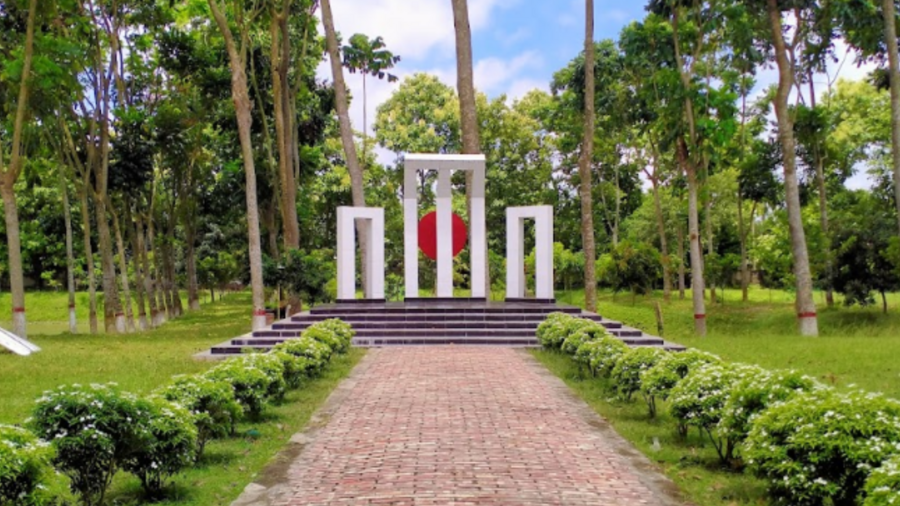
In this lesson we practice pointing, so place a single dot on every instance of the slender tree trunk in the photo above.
(123, 271)
(137, 263)
(241, 98)
(147, 272)
(663, 243)
(584, 164)
(70, 253)
(697, 288)
(280, 89)
(8, 176)
(113, 316)
(742, 235)
(191, 267)
(819, 156)
(890, 35)
(681, 273)
(162, 311)
(806, 306)
(710, 250)
(89, 258)
(465, 86)
(342, 104)
(14, 247)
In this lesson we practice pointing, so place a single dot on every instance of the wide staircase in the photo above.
(434, 321)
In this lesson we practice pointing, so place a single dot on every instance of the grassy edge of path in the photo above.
(690, 462)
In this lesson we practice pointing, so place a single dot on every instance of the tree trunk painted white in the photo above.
(123, 272)
(70, 254)
(806, 306)
(14, 248)
(696, 250)
(89, 258)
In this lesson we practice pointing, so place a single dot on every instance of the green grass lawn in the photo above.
(857, 346)
(48, 312)
(141, 363)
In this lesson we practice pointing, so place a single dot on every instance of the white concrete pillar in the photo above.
(515, 251)
(478, 244)
(373, 228)
(411, 233)
(444, 235)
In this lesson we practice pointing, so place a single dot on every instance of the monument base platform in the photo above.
(434, 321)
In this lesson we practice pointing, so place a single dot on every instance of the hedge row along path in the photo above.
(458, 425)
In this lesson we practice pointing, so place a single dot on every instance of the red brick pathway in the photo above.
(463, 425)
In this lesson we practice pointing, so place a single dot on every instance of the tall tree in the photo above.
(890, 36)
(805, 305)
(369, 58)
(468, 115)
(584, 164)
(9, 173)
(237, 57)
(342, 104)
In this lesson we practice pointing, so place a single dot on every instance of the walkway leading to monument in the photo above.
(458, 425)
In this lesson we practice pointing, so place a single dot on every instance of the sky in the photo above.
(517, 45)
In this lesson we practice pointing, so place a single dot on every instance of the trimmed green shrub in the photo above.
(24, 467)
(296, 369)
(658, 381)
(553, 330)
(822, 445)
(627, 372)
(698, 399)
(883, 486)
(94, 430)
(581, 330)
(169, 446)
(343, 330)
(250, 384)
(752, 392)
(307, 347)
(212, 405)
(323, 335)
(274, 370)
(603, 354)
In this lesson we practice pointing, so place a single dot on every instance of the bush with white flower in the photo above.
(273, 368)
(307, 347)
(250, 384)
(296, 369)
(752, 393)
(212, 405)
(553, 330)
(24, 467)
(698, 399)
(581, 330)
(325, 336)
(822, 445)
(658, 381)
(94, 430)
(169, 446)
(627, 372)
(342, 330)
(883, 486)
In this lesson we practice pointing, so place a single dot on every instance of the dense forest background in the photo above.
(145, 145)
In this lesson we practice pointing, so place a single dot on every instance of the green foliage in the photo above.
(342, 331)
(883, 486)
(659, 380)
(698, 400)
(628, 369)
(604, 354)
(316, 352)
(272, 367)
(94, 431)
(633, 267)
(169, 446)
(752, 392)
(24, 467)
(296, 369)
(822, 445)
(552, 331)
(212, 406)
(250, 385)
(307, 274)
(580, 331)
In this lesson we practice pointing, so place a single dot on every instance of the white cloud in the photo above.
(493, 73)
(520, 87)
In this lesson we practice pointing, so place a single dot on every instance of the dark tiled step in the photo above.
(353, 318)
(441, 308)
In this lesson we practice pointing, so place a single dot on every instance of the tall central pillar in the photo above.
(444, 235)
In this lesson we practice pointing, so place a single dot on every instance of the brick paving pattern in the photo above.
(463, 425)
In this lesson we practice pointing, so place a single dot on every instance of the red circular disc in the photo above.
(428, 234)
